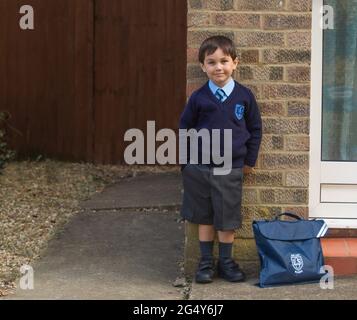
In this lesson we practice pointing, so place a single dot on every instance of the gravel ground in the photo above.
(38, 198)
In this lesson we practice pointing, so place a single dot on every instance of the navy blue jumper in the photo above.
(238, 112)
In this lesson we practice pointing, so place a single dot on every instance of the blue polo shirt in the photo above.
(228, 88)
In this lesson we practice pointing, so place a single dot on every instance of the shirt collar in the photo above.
(228, 88)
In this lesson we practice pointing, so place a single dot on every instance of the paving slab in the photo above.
(111, 255)
(344, 288)
(150, 190)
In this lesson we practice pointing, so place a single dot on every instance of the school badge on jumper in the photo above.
(239, 111)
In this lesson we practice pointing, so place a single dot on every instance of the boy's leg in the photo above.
(206, 232)
(226, 239)
(205, 269)
(206, 235)
(197, 208)
(226, 193)
(226, 236)
(227, 268)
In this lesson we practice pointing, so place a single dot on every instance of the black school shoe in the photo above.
(205, 270)
(229, 270)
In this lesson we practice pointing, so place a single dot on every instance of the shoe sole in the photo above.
(241, 279)
(203, 281)
(234, 280)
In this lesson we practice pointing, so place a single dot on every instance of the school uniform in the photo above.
(216, 199)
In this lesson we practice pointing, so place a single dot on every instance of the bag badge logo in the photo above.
(297, 262)
(239, 111)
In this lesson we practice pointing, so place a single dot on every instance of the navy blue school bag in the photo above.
(289, 251)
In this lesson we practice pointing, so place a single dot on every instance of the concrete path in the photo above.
(120, 251)
(159, 190)
(123, 254)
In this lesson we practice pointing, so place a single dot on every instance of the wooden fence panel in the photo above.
(45, 77)
(140, 69)
(89, 71)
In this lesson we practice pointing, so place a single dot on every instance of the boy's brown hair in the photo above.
(211, 44)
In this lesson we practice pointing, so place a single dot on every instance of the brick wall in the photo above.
(273, 41)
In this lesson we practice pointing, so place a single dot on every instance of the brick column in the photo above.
(273, 41)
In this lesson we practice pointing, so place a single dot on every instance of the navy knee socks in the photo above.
(206, 248)
(225, 250)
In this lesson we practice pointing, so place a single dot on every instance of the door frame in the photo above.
(315, 177)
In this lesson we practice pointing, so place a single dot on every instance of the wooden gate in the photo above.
(140, 69)
(89, 71)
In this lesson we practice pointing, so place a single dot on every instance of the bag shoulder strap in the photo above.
(289, 214)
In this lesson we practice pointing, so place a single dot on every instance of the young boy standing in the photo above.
(214, 201)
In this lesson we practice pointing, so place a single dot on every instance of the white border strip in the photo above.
(315, 108)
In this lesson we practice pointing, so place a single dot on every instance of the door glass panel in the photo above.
(339, 91)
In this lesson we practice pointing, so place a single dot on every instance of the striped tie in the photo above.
(220, 94)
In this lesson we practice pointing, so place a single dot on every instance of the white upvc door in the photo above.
(333, 115)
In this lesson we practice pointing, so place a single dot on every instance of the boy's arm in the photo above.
(188, 118)
(254, 126)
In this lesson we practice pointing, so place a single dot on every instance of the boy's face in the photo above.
(219, 67)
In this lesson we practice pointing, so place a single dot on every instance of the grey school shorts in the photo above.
(212, 199)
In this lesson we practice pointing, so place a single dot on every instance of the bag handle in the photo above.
(289, 214)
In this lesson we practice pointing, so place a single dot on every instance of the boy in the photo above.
(214, 201)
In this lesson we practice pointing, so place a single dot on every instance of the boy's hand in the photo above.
(248, 169)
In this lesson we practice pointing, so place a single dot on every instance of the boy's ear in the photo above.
(236, 62)
(203, 67)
